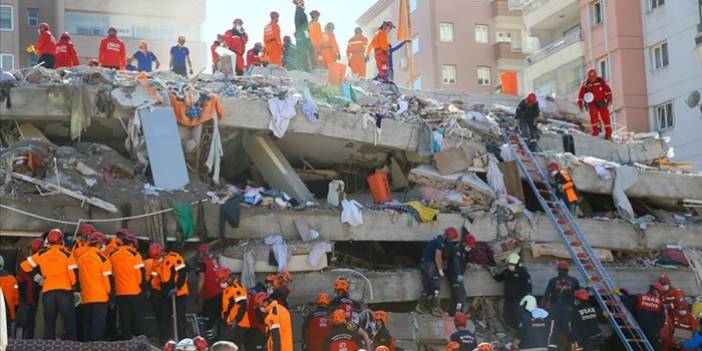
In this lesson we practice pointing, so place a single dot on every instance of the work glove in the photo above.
(39, 279)
(441, 273)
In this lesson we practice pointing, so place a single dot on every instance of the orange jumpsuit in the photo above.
(329, 49)
(381, 47)
(677, 321)
(10, 290)
(316, 39)
(356, 51)
(278, 323)
(272, 44)
(232, 308)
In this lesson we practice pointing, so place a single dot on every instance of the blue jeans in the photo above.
(55, 302)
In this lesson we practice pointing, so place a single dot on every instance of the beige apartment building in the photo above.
(159, 22)
(458, 45)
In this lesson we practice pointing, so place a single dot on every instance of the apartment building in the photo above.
(159, 22)
(9, 34)
(458, 45)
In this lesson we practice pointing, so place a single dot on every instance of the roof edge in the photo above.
(373, 11)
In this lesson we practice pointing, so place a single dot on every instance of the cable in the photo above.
(37, 216)
(370, 285)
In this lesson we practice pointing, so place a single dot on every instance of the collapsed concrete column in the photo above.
(274, 167)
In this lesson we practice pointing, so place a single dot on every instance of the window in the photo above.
(448, 73)
(417, 85)
(656, 3)
(664, 115)
(7, 62)
(597, 13)
(484, 76)
(413, 5)
(504, 37)
(32, 17)
(415, 45)
(603, 67)
(404, 63)
(446, 32)
(562, 80)
(6, 18)
(481, 33)
(660, 55)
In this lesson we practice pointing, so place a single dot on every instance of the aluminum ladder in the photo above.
(578, 246)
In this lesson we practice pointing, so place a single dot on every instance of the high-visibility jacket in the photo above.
(112, 53)
(568, 186)
(272, 44)
(278, 321)
(66, 55)
(46, 44)
(56, 265)
(10, 290)
(315, 34)
(687, 322)
(599, 89)
(79, 248)
(150, 271)
(232, 309)
(356, 52)
(170, 271)
(111, 246)
(252, 59)
(329, 49)
(316, 328)
(379, 43)
(126, 270)
(94, 270)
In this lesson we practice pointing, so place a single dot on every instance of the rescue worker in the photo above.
(80, 242)
(317, 325)
(113, 53)
(66, 55)
(464, 337)
(381, 48)
(695, 342)
(253, 56)
(356, 53)
(342, 300)
(534, 326)
(341, 337)
(234, 306)
(670, 295)
(273, 44)
(559, 300)
(115, 242)
(281, 289)
(316, 37)
(29, 291)
(213, 51)
(454, 346)
(59, 277)
(130, 282)
(527, 114)
(682, 319)
(208, 292)
(278, 323)
(650, 314)
(144, 58)
(517, 285)
(290, 56)
(328, 48)
(255, 337)
(156, 299)
(484, 346)
(11, 293)
(236, 39)
(431, 265)
(180, 58)
(565, 187)
(585, 332)
(455, 269)
(45, 47)
(173, 274)
(382, 336)
(95, 275)
(596, 96)
(306, 59)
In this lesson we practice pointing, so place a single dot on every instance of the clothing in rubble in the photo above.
(229, 212)
(206, 106)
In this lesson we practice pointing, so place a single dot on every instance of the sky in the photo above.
(255, 13)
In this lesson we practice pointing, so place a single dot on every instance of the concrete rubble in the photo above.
(80, 155)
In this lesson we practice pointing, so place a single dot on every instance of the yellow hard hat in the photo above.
(513, 258)
(528, 302)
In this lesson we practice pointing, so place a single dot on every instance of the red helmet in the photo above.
(582, 294)
(96, 238)
(37, 244)
(85, 230)
(314, 13)
(682, 305)
(203, 249)
(664, 279)
(54, 237)
(469, 241)
(451, 233)
(259, 299)
(460, 319)
(274, 14)
(43, 26)
(552, 166)
(200, 343)
(563, 266)
(66, 35)
(591, 73)
(131, 239)
(223, 274)
(170, 346)
(531, 99)
(155, 250)
(656, 286)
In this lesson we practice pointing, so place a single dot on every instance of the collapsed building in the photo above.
(285, 172)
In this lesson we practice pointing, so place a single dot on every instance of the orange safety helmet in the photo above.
(453, 346)
(380, 316)
(341, 284)
(155, 250)
(54, 237)
(223, 274)
(323, 299)
(338, 317)
(582, 295)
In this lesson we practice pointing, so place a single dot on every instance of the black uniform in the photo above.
(526, 116)
(464, 338)
(534, 329)
(516, 285)
(560, 294)
(584, 326)
(383, 338)
(650, 314)
(455, 270)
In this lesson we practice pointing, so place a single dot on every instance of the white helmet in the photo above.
(513, 258)
(528, 302)
(186, 345)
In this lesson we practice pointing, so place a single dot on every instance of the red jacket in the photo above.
(252, 58)
(237, 44)
(215, 55)
(599, 88)
(66, 55)
(46, 44)
(112, 52)
(315, 329)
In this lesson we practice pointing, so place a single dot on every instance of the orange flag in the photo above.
(404, 30)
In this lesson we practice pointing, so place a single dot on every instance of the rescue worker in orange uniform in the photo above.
(130, 285)
(596, 93)
(57, 268)
(10, 291)
(341, 337)
(45, 47)
(113, 53)
(29, 290)
(173, 274)
(282, 290)
(234, 307)
(356, 53)
(329, 48)
(342, 300)
(80, 243)
(115, 242)
(565, 187)
(382, 336)
(317, 325)
(95, 275)
(272, 43)
(236, 39)
(208, 291)
(680, 318)
(277, 321)
(670, 295)
(315, 28)
(66, 55)
(380, 45)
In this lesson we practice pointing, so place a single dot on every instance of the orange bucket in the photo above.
(379, 187)
(336, 73)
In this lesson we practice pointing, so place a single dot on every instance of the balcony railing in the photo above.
(531, 5)
(509, 50)
(555, 46)
(508, 8)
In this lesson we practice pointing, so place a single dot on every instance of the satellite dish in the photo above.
(693, 100)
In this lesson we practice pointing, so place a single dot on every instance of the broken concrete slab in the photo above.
(644, 151)
(165, 149)
(559, 251)
(466, 183)
(452, 160)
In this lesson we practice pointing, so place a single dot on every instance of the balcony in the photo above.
(550, 14)
(509, 51)
(550, 49)
(507, 11)
(193, 10)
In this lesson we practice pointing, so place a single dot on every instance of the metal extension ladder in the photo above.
(578, 246)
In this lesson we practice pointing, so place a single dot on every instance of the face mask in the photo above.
(683, 312)
(269, 290)
(666, 287)
(512, 268)
(223, 285)
(238, 27)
